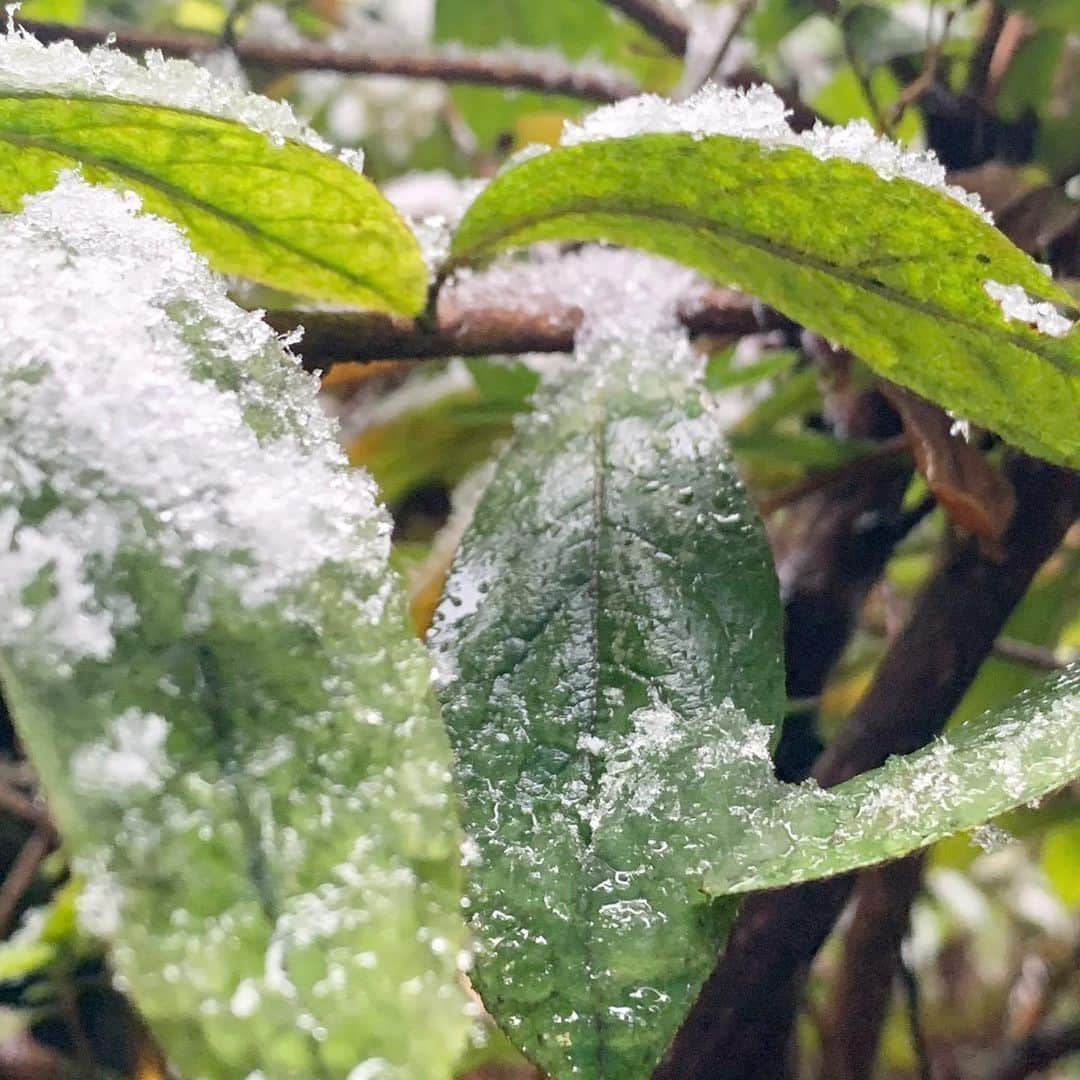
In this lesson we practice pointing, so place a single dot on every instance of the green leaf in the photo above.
(420, 436)
(891, 269)
(1061, 861)
(613, 626)
(812, 448)
(1003, 759)
(1062, 14)
(211, 666)
(258, 204)
(721, 373)
(65, 11)
(772, 20)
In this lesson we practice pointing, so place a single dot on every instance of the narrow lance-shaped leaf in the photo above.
(917, 284)
(256, 191)
(612, 626)
(211, 666)
(1003, 759)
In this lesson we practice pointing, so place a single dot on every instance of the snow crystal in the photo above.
(27, 66)
(1040, 315)
(758, 113)
(437, 193)
(372, 1069)
(132, 758)
(97, 308)
(618, 291)
(755, 113)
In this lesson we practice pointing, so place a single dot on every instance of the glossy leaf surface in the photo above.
(997, 762)
(612, 625)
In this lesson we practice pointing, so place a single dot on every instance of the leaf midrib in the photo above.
(493, 241)
(246, 225)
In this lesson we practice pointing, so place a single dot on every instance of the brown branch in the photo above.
(333, 337)
(658, 20)
(871, 959)
(882, 456)
(1038, 1052)
(979, 71)
(21, 875)
(742, 1019)
(479, 69)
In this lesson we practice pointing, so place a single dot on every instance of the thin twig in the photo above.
(1038, 1052)
(479, 69)
(334, 337)
(24, 808)
(910, 982)
(890, 448)
(1008, 648)
(926, 77)
(868, 965)
(742, 11)
(979, 71)
(658, 20)
(1024, 652)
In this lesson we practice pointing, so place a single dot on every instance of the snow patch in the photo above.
(28, 66)
(758, 113)
(1040, 315)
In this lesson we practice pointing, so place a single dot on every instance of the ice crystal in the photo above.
(758, 113)
(96, 317)
(1040, 315)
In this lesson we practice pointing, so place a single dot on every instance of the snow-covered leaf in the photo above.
(997, 762)
(846, 233)
(211, 666)
(611, 628)
(256, 191)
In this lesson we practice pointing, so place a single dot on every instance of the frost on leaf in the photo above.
(211, 664)
(612, 626)
(757, 113)
(985, 767)
(1040, 315)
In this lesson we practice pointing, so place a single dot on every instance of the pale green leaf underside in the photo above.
(890, 269)
(613, 624)
(1001, 760)
(284, 215)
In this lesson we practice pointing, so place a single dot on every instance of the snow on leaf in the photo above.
(256, 190)
(211, 665)
(612, 628)
(28, 67)
(758, 113)
(997, 762)
(1039, 314)
(848, 235)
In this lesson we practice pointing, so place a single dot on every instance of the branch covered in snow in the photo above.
(519, 69)
(332, 337)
